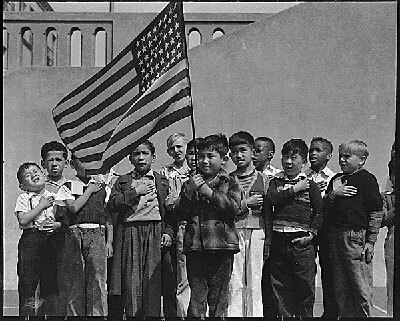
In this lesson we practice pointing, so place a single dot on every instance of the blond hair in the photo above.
(355, 147)
(174, 137)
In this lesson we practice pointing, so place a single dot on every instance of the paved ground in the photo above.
(10, 307)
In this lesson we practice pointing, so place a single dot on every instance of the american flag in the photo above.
(143, 90)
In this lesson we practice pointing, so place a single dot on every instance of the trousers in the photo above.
(36, 266)
(183, 289)
(352, 275)
(245, 299)
(208, 275)
(292, 268)
(84, 272)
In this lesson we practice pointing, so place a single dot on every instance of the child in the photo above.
(354, 210)
(210, 202)
(388, 221)
(35, 211)
(54, 160)
(319, 154)
(87, 245)
(177, 173)
(264, 150)
(297, 207)
(191, 155)
(245, 298)
(145, 231)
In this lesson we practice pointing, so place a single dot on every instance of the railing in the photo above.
(17, 46)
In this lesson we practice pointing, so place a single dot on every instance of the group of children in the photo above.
(196, 241)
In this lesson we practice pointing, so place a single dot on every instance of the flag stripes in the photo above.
(144, 89)
(104, 73)
(162, 124)
(161, 97)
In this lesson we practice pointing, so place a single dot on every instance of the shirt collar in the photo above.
(59, 183)
(326, 171)
(222, 175)
(33, 194)
(282, 175)
(184, 168)
(136, 175)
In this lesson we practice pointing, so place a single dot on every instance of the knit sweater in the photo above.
(301, 210)
(363, 210)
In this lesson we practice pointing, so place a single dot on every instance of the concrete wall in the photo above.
(313, 70)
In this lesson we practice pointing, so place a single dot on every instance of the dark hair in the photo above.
(267, 140)
(53, 146)
(296, 146)
(217, 142)
(149, 145)
(391, 166)
(193, 143)
(326, 142)
(241, 138)
(23, 168)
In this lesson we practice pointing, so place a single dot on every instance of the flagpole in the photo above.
(190, 86)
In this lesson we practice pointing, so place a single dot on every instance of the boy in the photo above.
(297, 217)
(319, 154)
(354, 210)
(388, 221)
(87, 245)
(264, 150)
(35, 211)
(191, 155)
(177, 173)
(144, 233)
(245, 298)
(54, 160)
(210, 201)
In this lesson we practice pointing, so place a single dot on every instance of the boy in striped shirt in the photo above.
(245, 290)
(297, 217)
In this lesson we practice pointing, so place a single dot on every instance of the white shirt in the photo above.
(324, 175)
(271, 171)
(27, 201)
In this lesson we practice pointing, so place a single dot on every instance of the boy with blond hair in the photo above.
(177, 173)
(354, 209)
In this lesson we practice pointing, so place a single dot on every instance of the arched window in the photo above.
(218, 33)
(51, 47)
(194, 38)
(100, 48)
(5, 48)
(27, 47)
(76, 47)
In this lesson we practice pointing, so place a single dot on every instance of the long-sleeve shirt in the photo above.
(363, 210)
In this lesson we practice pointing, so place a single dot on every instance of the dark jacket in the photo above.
(211, 222)
(121, 200)
(302, 209)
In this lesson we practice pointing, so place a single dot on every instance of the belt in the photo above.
(294, 235)
(87, 225)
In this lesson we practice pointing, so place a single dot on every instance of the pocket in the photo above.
(231, 235)
(358, 237)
